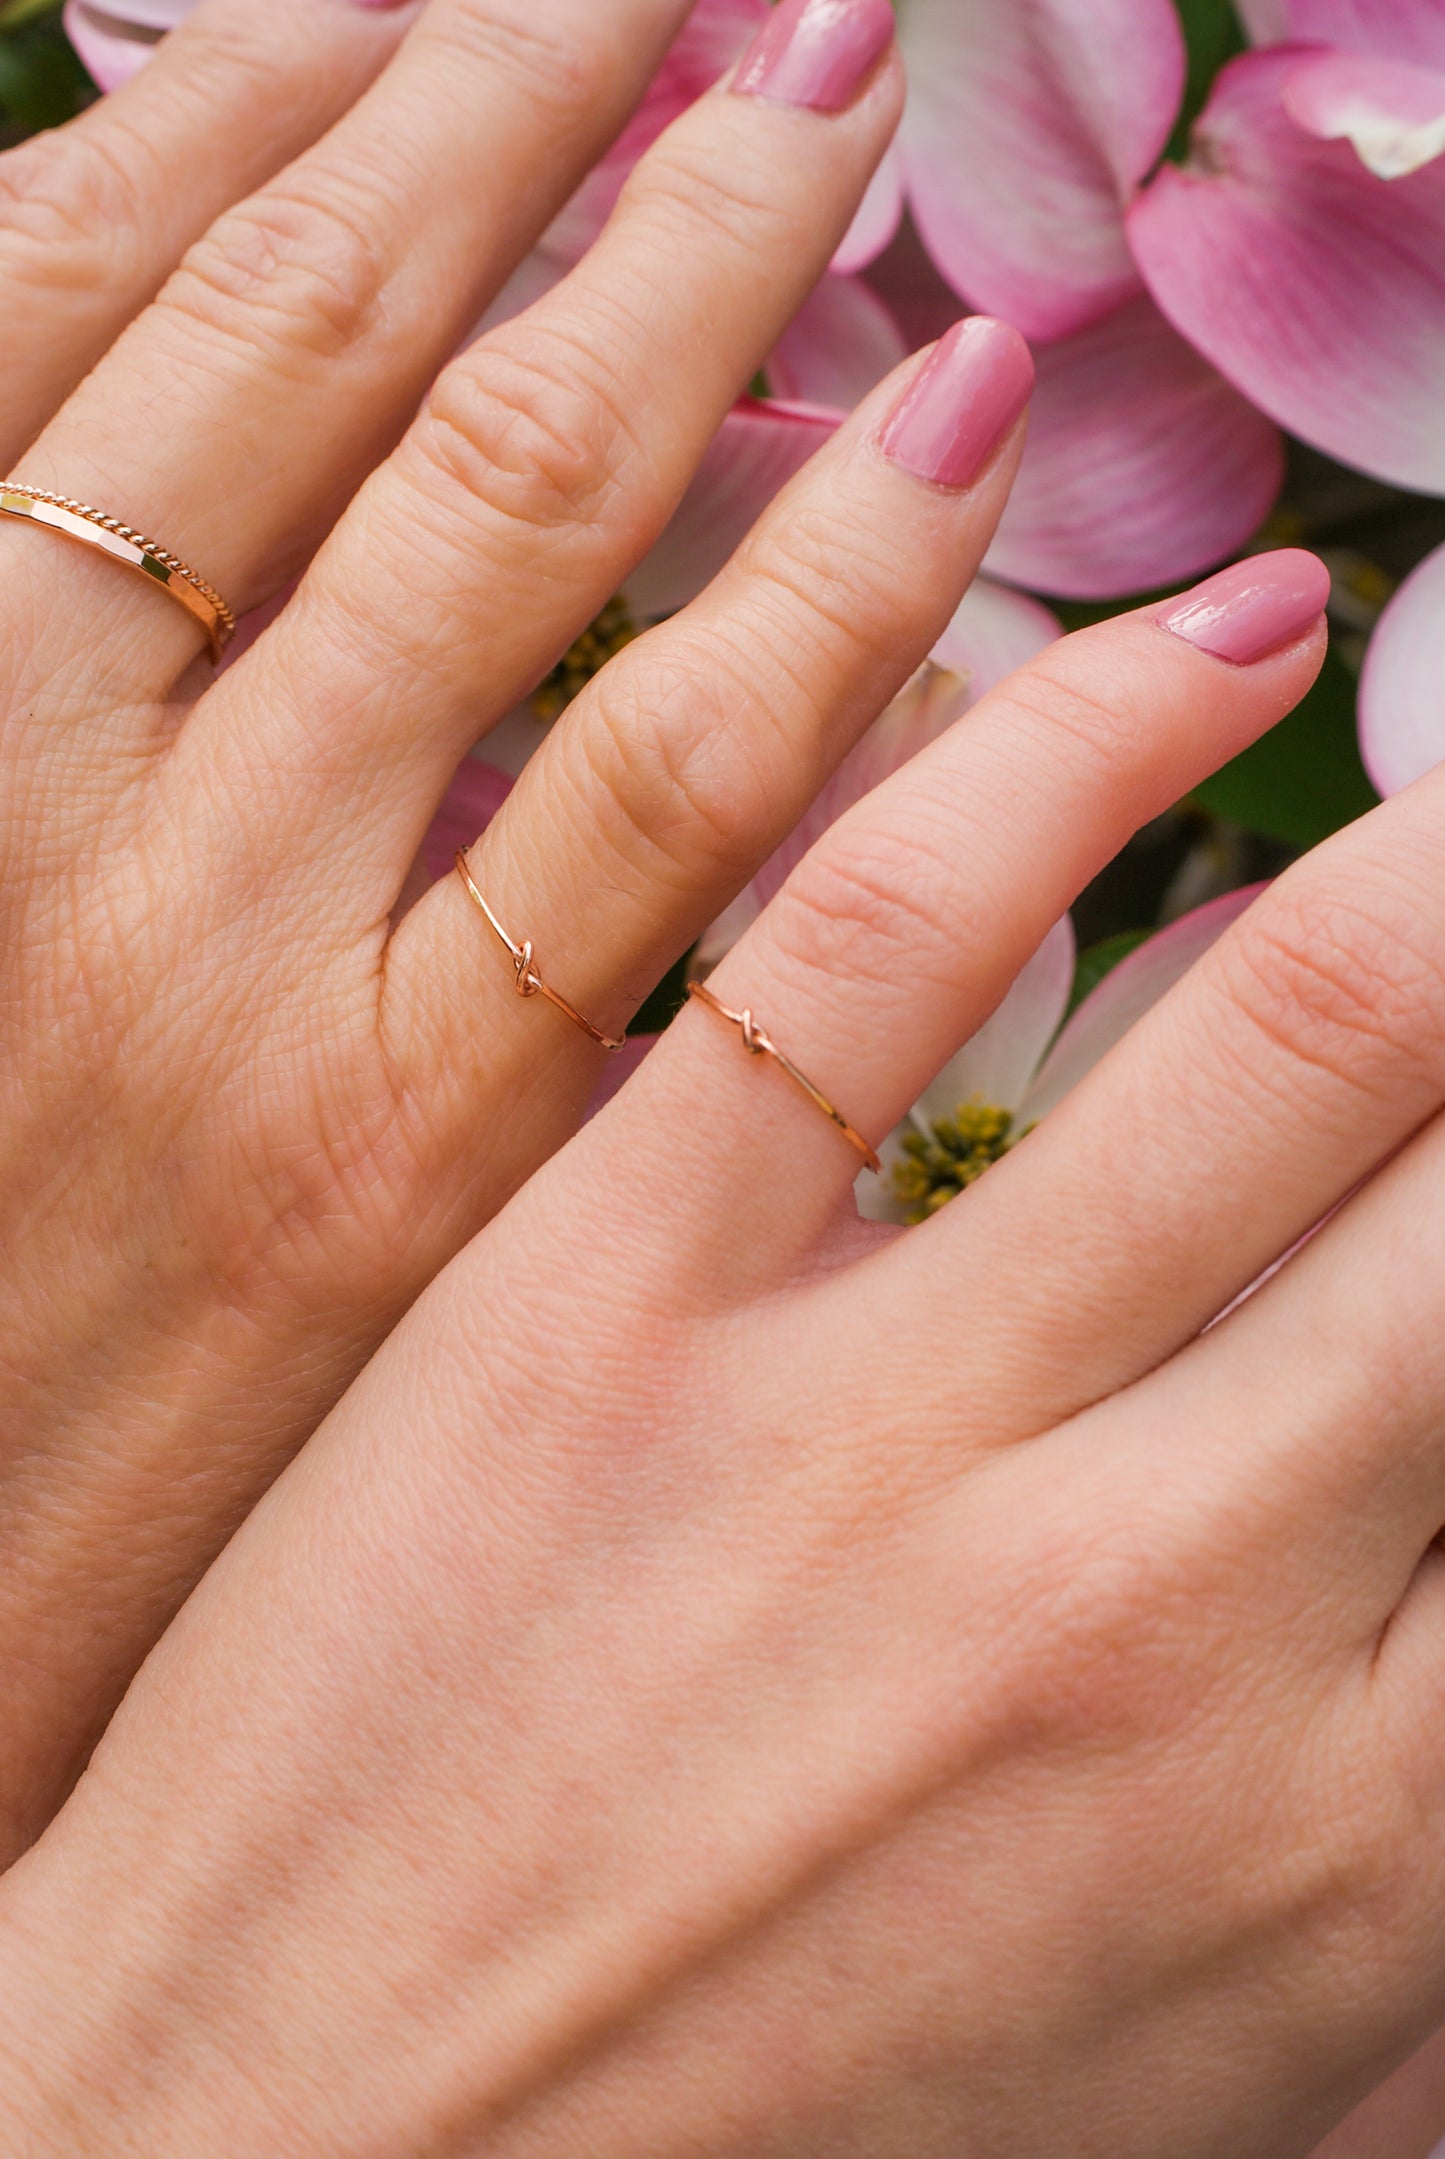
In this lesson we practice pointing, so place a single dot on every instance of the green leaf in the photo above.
(1100, 960)
(1212, 35)
(20, 12)
(1304, 780)
(42, 83)
(666, 1001)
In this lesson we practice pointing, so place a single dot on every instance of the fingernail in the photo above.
(959, 408)
(816, 53)
(1253, 608)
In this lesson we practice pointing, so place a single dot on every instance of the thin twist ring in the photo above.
(529, 982)
(759, 1044)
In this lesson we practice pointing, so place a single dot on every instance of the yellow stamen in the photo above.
(953, 1155)
(599, 643)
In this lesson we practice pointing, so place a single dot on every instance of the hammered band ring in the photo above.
(78, 521)
(530, 982)
(758, 1044)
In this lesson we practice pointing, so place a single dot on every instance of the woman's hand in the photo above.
(246, 1116)
(731, 1679)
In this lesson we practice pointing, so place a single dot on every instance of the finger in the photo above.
(94, 216)
(550, 457)
(906, 925)
(692, 757)
(298, 337)
(1299, 1054)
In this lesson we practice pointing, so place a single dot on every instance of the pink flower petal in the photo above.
(995, 631)
(468, 807)
(998, 1065)
(112, 48)
(907, 279)
(879, 216)
(1402, 689)
(1143, 466)
(1392, 29)
(1314, 286)
(1393, 112)
(1028, 128)
(1124, 996)
(761, 445)
(711, 41)
(838, 347)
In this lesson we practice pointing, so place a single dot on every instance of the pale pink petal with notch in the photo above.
(1027, 130)
(1143, 467)
(998, 1065)
(838, 347)
(1393, 113)
(1402, 688)
(1133, 988)
(1393, 29)
(762, 444)
(1318, 289)
(879, 216)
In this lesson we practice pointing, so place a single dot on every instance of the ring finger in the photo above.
(906, 925)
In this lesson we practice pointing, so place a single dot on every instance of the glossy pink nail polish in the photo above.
(816, 53)
(1253, 608)
(959, 408)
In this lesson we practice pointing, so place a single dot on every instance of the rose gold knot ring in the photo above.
(529, 982)
(759, 1044)
(78, 521)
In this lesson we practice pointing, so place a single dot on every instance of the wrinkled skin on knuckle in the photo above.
(1337, 972)
(70, 206)
(670, 763)
(697, 195)
(555, 69)
(865, 908)
(303, 272)
(517, 428)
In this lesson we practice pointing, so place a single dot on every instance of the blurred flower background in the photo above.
(1222, 227)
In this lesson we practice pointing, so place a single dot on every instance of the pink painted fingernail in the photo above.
(817, 53)
(962, 404)
(1253, 608)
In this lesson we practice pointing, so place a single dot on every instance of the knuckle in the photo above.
(865, 907)
(69, 199)
(674, 753)
(520, 426)
(1331, 972)
(522, 50)
(312, 272)
(685, 182)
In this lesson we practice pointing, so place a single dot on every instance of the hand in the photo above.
(245, 1115)
(733, 1679)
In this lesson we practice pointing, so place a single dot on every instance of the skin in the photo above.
(261, 1121)
(248, 1111)
(734, 1679)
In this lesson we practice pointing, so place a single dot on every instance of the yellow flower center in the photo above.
(602, 641)
(953, 1154)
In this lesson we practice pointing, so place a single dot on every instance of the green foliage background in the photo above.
(1281, 797)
